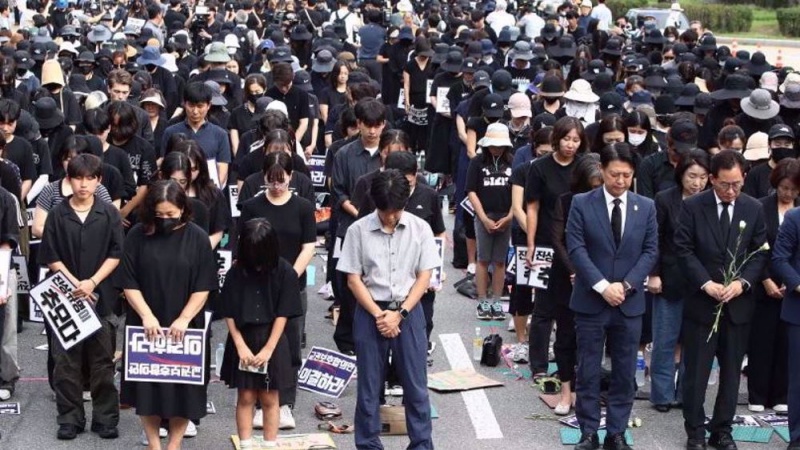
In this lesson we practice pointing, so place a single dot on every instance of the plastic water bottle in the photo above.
(713, 377)
(445, 205)
(477, 345)
(640, 365)
(421, 162)
(218, 355)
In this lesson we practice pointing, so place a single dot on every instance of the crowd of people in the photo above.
(653, 171)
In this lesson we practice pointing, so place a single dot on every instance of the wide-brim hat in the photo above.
(42, 35)
(687, 96)
(791, 97)
(169, 63)
(790, 78)
(323, 62)
(99, 33)
(69, 47)
(300, 33)
(454, 62)
(581, 91)
(216, 52)
(78, 85)
(613, 47)
(496, 136)
(522, 50)
(758, 65)
(735, 87)
(151, 55)
(760, 105)
(565, 49)
(440, 51)
(155, 99)
(46, 113)
(180, 41)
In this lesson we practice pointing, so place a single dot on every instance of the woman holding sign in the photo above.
(168, 270)
(260, 294)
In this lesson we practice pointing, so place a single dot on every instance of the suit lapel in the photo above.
(631, 214)
(713, 219)
(601, 210)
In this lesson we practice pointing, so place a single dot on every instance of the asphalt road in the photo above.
(506, 407)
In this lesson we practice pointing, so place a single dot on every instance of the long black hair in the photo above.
(204, 188)
(163, 191)
(258, 247)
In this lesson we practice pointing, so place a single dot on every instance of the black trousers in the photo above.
(544, 313)
(768, 356)
(566, 345)
(343, 336)
(98, 351)
(729, 345)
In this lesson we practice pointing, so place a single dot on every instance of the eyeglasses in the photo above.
(736, 186)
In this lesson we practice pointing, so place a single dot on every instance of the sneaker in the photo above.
(511, 327)
(191, 430)
(287, 419)
(5, 394)
(87, 396)
(396, 391)
(258, 419)
(755, 408)
(431, 348)
(162, 432)
(484, 310)
(143, 440)
(519, 354)
(105, 431)
(68, 432)
(781, 408)
(497, 311)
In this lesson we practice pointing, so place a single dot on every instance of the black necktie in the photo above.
(616, 221)
(725, 221)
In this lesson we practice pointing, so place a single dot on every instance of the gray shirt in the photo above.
(388, 263)
(351, 162)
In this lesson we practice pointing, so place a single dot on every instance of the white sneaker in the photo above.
(87, 396)
(5, 394)
(191, 430)
(163, 432)
(396, 391)
(780, 408)
(755, 408)
(519, 353)
(258, 419)
(287, 419)
(511, 327)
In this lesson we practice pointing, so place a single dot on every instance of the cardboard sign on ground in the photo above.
(459, 380)
(295, 442)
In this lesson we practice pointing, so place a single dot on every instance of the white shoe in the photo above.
(781, 408)
(396, 391)
(511, 327)
(287, 419)
(5, 394)
(191, 430)
(562, 410)
(87, 396)
(162, 432)
(755, 408)
(519, 353)
(258, 419)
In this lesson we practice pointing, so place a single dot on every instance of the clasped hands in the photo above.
(388, 323)
(614, 294)
(724, 294)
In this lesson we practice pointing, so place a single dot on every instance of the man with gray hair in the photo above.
(500, 18)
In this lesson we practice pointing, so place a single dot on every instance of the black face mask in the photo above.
(779, 154)
(21, 72)
(7, 90)
(551, 100)
(150, 67)
(86, 70)
(165, 225)
(253, 98)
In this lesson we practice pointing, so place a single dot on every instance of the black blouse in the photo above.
(259, 299)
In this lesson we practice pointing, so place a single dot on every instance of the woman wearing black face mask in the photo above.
(241, 119)
(167, 272)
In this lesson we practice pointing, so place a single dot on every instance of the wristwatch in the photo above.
(403, 313)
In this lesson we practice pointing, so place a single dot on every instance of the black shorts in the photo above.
(521, 300)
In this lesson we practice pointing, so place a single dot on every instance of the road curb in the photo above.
(752, 41)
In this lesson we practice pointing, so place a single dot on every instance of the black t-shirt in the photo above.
(519, 177)
(20, 152)
(254, 163)
(332, 98)
(418, 78)
(299, 185)
(490, 182)
(113, 182)
(547, 180)
(9, 178)
(241, 120)
(41, 157)
(296, 101)
(255, 299)
(142, 157)
(294, 222)
(757, 184)
(119, 159)
(479, 125)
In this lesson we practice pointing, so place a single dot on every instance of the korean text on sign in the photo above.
(326, 372)
(71, 319)
(164, 361)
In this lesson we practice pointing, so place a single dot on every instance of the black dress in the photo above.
(167, 269)
(254, 301)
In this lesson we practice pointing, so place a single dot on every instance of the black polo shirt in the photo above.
(296, 101)
(84, 246)
(657, 174)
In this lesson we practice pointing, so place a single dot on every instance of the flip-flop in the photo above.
(336, 429)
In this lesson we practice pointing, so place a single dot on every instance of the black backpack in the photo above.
(492, 349)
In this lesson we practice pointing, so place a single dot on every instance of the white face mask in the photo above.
(636, 139)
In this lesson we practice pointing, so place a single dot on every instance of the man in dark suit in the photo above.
(612, 239)
(710, 223)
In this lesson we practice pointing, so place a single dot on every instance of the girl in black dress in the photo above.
(260, 295)
(167, 272)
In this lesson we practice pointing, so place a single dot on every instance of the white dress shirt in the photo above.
(719, 208)
(601, 285)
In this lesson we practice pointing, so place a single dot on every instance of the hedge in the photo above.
(722, 18)
(789, 21)
(620, 7)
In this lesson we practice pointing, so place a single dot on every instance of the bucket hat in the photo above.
(581, 91)
(496, 136)
(760, 105)
(735, 87)
(46, 113)
(454, 62)
(151, 55)
(217, 99)
(217, 53)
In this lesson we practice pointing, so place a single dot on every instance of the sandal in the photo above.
(336, 429)
(548, 385)
(327, 411)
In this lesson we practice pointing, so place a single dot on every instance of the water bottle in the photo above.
(445, 205)
(218, 355)
(421, 162)
(713, 377)
(640, 365)
(477, 345)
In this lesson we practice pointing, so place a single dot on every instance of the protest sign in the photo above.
(436, 275)
(162, 360)
(459, 380)
(467, 205)
(9, 408)
(19, 264)
(326, 372)
(34, 312)
(71, 319)
(442, 102)
(224, 261)
(316, 165)
(511, 260)
(540, 272)
(233, 194)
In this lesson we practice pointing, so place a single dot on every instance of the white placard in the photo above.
(5, 269)
(233, 196)
(224, 261)
(436, 274)
(71, 319)
(212, 172)
(540, 272)
(34, 312)
(29, 220)
(136, 24)
(511, 260)
(23, 280)
(428, 84)
(442, 103)
(337, 248)
(522, 271)
(401, 100)
(467, 205)
(37, 187)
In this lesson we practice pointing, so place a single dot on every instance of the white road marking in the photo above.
(478, 406)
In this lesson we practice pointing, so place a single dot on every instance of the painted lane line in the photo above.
(478, 406)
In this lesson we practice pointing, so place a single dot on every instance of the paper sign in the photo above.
(37, 187)
(436, 274)
(136, 24)
(774, 420)
(428, 85)
(71, 319)
(337, 248)
(9, 408)
(224, 261)
(212, 172)
(5, 275)
(29, 220)
(210, 408)
(164, 361)
(459, 380)
(572, 421)
(326, 372)
(540, 272)
(442, 103)
(316, 165)
(34, 312)
(233, 196)
(511, 260)
(401, 99)
(467, 205)
(294, 442)
(522, 270)
(19, 264)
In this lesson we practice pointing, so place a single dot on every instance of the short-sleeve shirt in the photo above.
(20, 152)
(388, 263)
(490, 182)
(52, 195)
(547, 180)
(211, 138)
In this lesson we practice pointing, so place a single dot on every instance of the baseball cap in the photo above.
(482, 79)
(610, 103)
(520, 105)
(492, 106)
(781, 131)
(684, 135)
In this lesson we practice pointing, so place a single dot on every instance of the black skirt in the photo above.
(279, 372)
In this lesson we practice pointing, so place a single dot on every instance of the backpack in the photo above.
(340, 21)
(492, 348)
